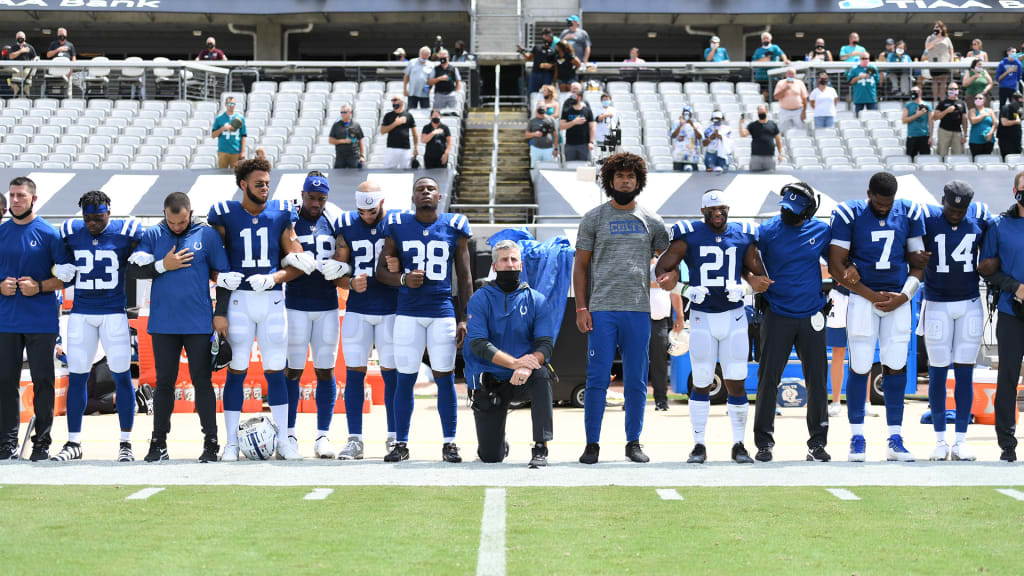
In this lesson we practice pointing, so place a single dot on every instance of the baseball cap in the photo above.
(573, 18)
(889, 41)
(713, 198)
(716, 39)
(316, 184)
(717, 115)
(796, 203)
(220, 352)
(958, 193)
(399, 52)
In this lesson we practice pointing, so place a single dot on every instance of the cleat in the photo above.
(540, 456)
(962, 452)
(857, 447)
(157, 452)
(764, 454)
(39, 453)
(210, 449)
(590, 453)
(661, 405)
(399, 454)
(834, 409)
(698, 455)
(1008, 455)
(389, 444)
(870, 411)
(896, 452)
(289, 449)
(635, 452)
(941, 451)
(70, 451)
(818, 454)
(740, 455)
(230, 453)
(506, 450)
(124, 453)
(322, 448)
(450, 453)
(353, 450)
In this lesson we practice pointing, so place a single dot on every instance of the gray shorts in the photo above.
(577, 152)
(762, 163)
(442, 101)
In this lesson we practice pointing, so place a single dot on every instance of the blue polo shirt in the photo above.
(772, 50)
(229, 142)
(1003, 241)
(30, 250)
(917, 127)
(510, 321)
(791, 256)
(722, 55)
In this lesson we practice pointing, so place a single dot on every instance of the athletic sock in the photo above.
(894, 386)
(447, 405)
(126, 408)
(961, 437)
(856, 395)
(326, 397)
(354, 397)
(963, 394)
(404, 403)
(78, 396)
(857, 429)
(940, 435)
(700, 406)
(126, 436)
(293, 403)
(738, 408)
(390, 385)
(231, 418)
(277, 397)
(75, 437)
(895, 430)
(233, 396)
(937, 396)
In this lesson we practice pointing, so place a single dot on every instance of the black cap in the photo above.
(220, 352)
(958, 193)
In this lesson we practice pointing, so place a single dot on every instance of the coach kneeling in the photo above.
(508, 343)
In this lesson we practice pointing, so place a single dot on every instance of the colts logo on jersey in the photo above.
(197, 246)
(523, 310)
(33, 243)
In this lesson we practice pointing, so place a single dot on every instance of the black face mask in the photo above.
(397, 105)
(915, 95)
(623, 198)
(21, 40)
(1019, 196)
(435, 121)
(62, 38)
(507, 280)
(23, 215)
(209, 45)
(790, 218)
(762, 116)
(444, 60)
(766, 44)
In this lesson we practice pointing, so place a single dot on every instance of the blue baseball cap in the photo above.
(316, 184)
(796, 203)
(573, 18)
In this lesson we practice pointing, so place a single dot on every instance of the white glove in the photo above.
(64, 272)
(734, 292)
(695, 294)
(302, 260)
(261, 282)
(333, 269)
(141, 258)
(230, 280)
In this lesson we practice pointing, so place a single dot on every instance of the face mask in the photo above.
(62, 38)
(819, 48)
(899, 51)
(762, 116)
(576, 95)
(396, 105)
(606, 103)
(766, 43)
(435, 121)
(507, 280)
(209, 46)
(1019, 196)
(25, 214)
(444, 60)
(915, 95)
(977, 68)
(823, 82)
(790, 218)
(953, 93)
(937, 31)
(21, 40)
(623, 198)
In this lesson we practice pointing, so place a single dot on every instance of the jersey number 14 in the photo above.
(963, 253)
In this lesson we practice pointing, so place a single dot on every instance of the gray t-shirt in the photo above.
(418, 73)
(580, 41)
(622, 243)
(535, 124)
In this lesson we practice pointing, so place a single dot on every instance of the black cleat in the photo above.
(124, 453)
(661, 405)
(635, 452)
(818, 454)
(9, 452)
(450, 453)
(506, 449)
(70, 451)
(739, 454)
(698, 455)
(1008, 455)
(590, 453)
(210, 451)
(540, 456)
(399, 453)
(157, 452)
(40, 452)
(764, 454)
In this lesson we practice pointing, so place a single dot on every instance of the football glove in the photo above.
(141, 258)
(64, 272)
(261, 282)
(695, 294)
(230, 280)
(302, 260)
(333, 269)
(734, 292)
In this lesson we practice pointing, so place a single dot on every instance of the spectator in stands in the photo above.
(824, 101)
(863, 79)
(579, 38)
(566, 65)
(211, 52)
(939, 48)
(548, 97)
(717, 143)
(976, 51)
(229, 130)
(261, 154)
(820, 53)
(765, 140)
(400, 127)
(543, 57)
(1008, 75)
(414, 81)
(347, 138)
(26, 52)
(952, 116)
(853, 51)
(917, 115)
(715, 52)
(459, 53)
(767, 52)
(686, 140)
(438, 139)
(890, 49)
(447, 83)
(540, 133)
(578, 122)
(399, 55)
(575, 93)
(899, 80)
(983, 127)
(605, 119)
(791, 93)
(62, 46)
(976, 81)
(1009, 131)
(634, 57)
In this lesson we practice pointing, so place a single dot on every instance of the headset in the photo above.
(806, 191)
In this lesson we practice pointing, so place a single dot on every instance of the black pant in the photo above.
(490, 409)
(1009, 142)
(341, 162)
(419, 102)
(1004, 95)
(658, 374)
(985, 148)
(918, 145)
(40, 362)
(778, 336)
(1010, 335)
(433, 162)
(167, 355)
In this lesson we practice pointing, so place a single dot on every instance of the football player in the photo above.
(249, 300)
(100, 248)
(369, 312)
(952, 313)
(871, 254)
(426, 242)
(312, 308)
(717, 252)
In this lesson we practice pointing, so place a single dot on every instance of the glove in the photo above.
(64, 272)
(261, 282)
(695, 294)
(302, 260)
(333, 269)
(141, 258)
(230, 280)
(734, 292)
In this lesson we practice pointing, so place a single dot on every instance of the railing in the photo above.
(492, 178)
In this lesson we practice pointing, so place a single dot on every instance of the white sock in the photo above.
(961, 437)
(231, 418)
(280, 415)
(320, 433)
(391, 435)
(699, 418)
(360, 437)
(940, 436)
(291, 431)
(449, 440)
(126, 436)
(75, 437)
(857, 429)
(895, 430)
(738, 418)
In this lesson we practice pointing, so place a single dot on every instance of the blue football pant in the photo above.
(630, 332)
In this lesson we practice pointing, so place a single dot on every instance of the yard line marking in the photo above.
(842, 494)
(1015, 494)
(490, 560)
(318, 494)
(669, 494)
(144, 493)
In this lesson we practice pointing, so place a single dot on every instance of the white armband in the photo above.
(915, 244)
(160, 269)
(910, 287)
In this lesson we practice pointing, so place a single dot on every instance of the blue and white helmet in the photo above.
(257, 438)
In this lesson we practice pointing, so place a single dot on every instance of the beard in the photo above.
(254, 198)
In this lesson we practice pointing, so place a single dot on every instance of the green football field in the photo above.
(426, 530)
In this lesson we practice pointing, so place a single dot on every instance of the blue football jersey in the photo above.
(253, 242)
(30, 250)
(714, 260)
(431, 248)
(792, 258)
(312, 292)
(102, 263)
(1002, 240)
(878, 245)
(952, 272)
(365, 245)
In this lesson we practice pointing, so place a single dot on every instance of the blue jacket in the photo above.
(512, 322)
(1011, 79)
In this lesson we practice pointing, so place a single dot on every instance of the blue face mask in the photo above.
(606, 103)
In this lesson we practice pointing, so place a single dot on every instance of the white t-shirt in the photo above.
(824, 101)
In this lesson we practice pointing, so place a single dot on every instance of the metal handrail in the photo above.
(492, 178)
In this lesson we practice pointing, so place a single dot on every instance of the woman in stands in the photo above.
(566, 64)
(939, 48)
(983, 127)
(976, 81)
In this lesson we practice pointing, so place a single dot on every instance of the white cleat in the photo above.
(961, 451)
(323, 448)
(896, 452)
(289, 449)
(834, 409)
(230, 453)
(353, 450)
(941, 451)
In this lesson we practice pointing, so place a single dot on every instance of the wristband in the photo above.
(160, 268)
(581, 309)
(401, 280)
(910, 287)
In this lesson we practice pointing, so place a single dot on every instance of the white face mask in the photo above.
(899, 51)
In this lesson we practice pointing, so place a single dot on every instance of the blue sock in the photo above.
(293, 400)
(895, 386)
(277, 388)
(326, 396)
(233, 393)
(937, 396)
(963, 393)
(447, 404)
(404, 400)
(125, 399)
(390, 385)
(856, 395)
(738, 400)
(698, 397)
(593, 412)
(78, 396)
(354, 395)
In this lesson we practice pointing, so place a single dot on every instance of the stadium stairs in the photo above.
(513, 176)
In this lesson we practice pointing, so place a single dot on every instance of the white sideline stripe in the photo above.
(144, 493)
(669, 494)
(490, 560)
(318, 494)
(1015, 494)
(843, 494)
